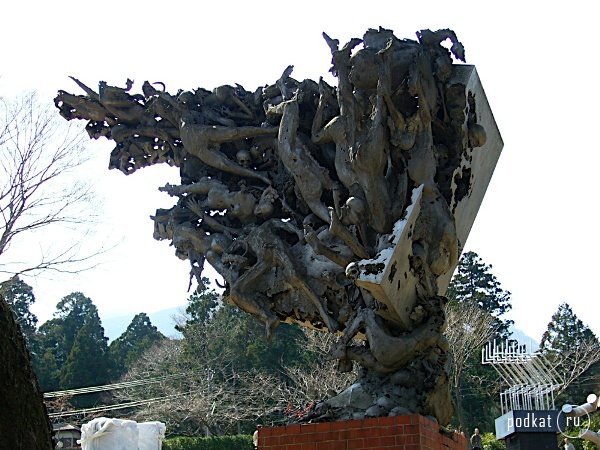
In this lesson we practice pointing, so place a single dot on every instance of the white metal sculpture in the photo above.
(531, 379)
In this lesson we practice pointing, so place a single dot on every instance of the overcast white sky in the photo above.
(538, 62)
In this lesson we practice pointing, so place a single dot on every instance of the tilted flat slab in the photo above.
(388, 276)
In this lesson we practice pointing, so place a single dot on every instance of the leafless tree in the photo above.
(40, 188)
(209, 396)
(469, 328)
(39, 191)
(316, 381)
(569, 365)
(206, 397)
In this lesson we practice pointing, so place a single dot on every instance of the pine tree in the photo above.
(201, 305)
(574, 350)
(565, 331)
(47, 371)
(71, 312)
(88, 362)
(51, 355)
(230, 335)
(139, 336)
(57, 338)
(474, 282)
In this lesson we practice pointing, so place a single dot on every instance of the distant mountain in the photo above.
(532, 344)
(164, 320)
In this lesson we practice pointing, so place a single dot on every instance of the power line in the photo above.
(115, 386)
(117, 406)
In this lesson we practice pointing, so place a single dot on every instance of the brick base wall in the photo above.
(412, 432)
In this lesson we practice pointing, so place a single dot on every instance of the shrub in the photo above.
(489, 442)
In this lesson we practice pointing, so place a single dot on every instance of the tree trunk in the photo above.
(24, 422)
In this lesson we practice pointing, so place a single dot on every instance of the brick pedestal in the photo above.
(411, 432)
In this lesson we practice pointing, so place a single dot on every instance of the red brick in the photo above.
(408, 438)
(302, 438)
(371, 432)
(338, 425)
(356, 444)
(423, 420)
(373, 442)
(411, 429)
(412, 447)
(292, 429)
(309, 446)
(324, 445)
(344, 435)
(387, 421)
(308, 427)
(387, 441)
(405, 420)
(278, 431)
(324, 427)
(328, 436)
(429, 444)
(351, 424)
(398, 429)
(339, 445)
(359, 433)
(274, 440)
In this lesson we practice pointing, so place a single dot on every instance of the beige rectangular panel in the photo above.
(478, 163)
(388, 277)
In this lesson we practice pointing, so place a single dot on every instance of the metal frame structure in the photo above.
(531, 378)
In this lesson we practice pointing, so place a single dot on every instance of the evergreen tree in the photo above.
(474, 282)
(56, 363)
(139, 336)
(47, 371)
(570, 345)
(565, 331)
(71, 311)
(226, 333)
(20, 298)
(88, 362)
(201, 305)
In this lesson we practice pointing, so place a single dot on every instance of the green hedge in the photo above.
(240, 442)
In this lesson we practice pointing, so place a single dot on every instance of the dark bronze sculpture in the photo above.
(335, 208)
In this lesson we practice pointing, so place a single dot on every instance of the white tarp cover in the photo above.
(115, 434)
(151, 435)
(109, 434)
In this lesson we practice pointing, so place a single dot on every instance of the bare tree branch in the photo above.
(569, 365)
(39, 185)
(469, 328)
(319, 380)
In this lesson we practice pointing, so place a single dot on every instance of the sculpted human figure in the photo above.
(359, 133)
(339, 129)
(203, 141)
(238, 204)
(311, 179)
